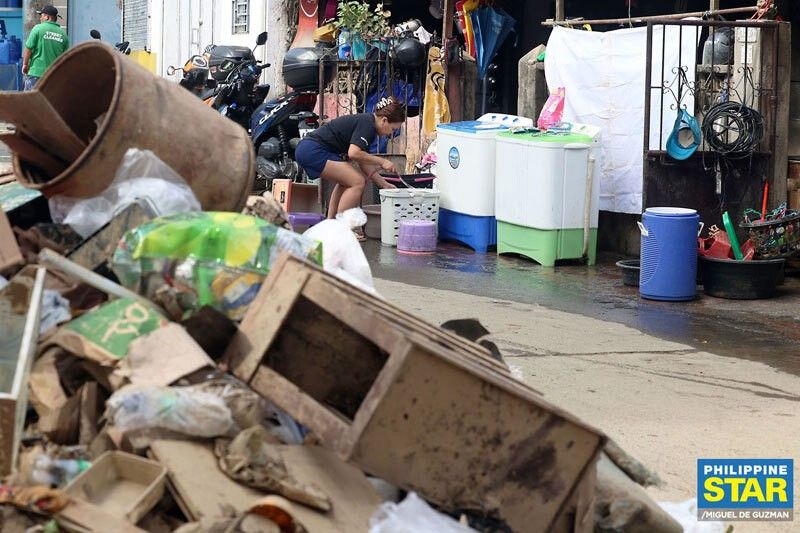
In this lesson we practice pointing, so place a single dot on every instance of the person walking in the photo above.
(325, 153)
(45, 43)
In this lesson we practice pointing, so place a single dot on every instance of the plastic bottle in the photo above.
(57, 472)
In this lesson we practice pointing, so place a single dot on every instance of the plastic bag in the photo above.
(342, 255)
(685, 513)
(413, 515)
(189, 260)
(553, 110)
(181, 409)
(141, 178)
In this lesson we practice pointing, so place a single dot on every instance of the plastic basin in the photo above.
(741, 280)
(630, 272)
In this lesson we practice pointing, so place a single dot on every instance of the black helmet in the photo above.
(409, 52)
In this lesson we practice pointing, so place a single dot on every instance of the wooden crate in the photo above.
(20, 312)
(409, 402)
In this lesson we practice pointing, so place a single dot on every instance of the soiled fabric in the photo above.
(604, 77)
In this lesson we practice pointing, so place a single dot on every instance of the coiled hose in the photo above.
(733, 130)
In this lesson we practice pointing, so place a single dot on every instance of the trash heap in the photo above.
(169, 364)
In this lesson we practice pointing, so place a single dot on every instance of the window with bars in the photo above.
(241, 16)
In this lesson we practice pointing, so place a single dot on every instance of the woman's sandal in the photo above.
(359, 235)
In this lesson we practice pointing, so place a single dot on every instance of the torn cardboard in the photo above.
(164, 356)
(10, 254)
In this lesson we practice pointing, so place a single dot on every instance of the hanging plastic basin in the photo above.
(741, 280)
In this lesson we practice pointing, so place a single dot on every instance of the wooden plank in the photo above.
(33, 115)
(21, 297)
(197, 480)
(264, 320)
(204, 489)
(30, 152)
(99, 247)
(777, 189)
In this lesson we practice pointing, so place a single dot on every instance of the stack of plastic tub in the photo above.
(466, 178)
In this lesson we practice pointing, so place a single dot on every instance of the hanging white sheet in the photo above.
(604, 77)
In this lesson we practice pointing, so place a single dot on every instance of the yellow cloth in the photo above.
(436, 109)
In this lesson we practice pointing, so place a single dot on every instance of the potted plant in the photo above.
(359, 24)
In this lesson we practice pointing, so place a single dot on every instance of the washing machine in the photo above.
(543, 182)
(466, 178)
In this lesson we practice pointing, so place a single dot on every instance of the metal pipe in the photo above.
(647, 98)
(51, 259)
(587, 204)
(656, 18)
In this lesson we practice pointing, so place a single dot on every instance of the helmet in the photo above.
(409, 52)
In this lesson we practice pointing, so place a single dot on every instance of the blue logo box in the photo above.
(745, 483)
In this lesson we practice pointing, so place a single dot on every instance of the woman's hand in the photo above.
(388, 166)
(380, 181)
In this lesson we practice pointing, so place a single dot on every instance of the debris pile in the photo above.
(165, 368)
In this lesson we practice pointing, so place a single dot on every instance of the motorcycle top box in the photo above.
(301, 69)
(224, 58)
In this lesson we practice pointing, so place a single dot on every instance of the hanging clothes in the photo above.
(436, 109)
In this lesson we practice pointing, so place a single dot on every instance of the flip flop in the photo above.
(359, 235)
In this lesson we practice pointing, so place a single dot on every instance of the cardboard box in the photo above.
(121, 484)
(296, 197)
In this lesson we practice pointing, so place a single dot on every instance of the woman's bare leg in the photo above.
(348, 180)
(333, 202)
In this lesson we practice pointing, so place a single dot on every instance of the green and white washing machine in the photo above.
(543, 181)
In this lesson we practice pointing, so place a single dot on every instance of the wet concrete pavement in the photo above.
(767, 331)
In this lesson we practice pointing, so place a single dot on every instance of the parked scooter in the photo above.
(278, 125)
(195, 76)
(124, 46)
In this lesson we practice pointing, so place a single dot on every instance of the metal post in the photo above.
(561, 10)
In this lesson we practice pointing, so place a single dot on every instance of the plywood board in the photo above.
(204, 489)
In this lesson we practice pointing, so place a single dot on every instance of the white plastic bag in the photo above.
(141, 178)
(342, 255)
(685, 513)
(182, 409)
(413, 515)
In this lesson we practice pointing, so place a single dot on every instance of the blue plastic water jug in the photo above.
(16, 48)
(669, 253)
(5, 52)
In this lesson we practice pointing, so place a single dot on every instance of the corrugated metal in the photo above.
(135, 23)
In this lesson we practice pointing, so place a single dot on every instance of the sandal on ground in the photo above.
(359, 235)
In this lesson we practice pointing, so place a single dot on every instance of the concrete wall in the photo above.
(181, 28)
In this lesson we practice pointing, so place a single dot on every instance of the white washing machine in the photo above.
(466, 178)
(541, 192)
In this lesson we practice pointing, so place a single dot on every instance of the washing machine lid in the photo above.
(473, 126)
(543, 137)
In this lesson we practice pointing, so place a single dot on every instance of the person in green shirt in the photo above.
(45, 43)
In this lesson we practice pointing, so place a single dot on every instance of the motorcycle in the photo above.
(276, 126)
(123, 47)
(195, 76)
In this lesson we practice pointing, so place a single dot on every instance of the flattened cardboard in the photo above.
(10, 254)
(164, 356)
